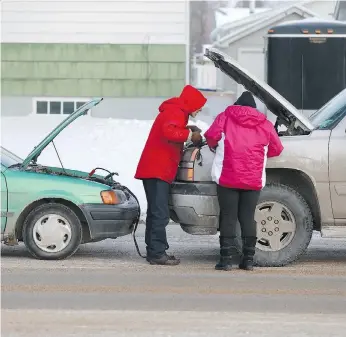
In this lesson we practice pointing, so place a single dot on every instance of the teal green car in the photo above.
(53, 210)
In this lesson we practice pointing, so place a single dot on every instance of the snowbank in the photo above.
(87, 143)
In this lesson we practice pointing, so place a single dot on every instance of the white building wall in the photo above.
(95, 21)
(324, 8)
(256, 44)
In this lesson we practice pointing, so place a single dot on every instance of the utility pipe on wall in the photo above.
(252, 6)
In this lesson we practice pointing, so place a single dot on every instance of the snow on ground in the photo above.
(87, 143)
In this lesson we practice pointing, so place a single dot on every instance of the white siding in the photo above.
(252, 59)
(95, 21)
(204, 76)
(324, 8)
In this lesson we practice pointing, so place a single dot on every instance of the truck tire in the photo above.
(52, 232)
(284, 226)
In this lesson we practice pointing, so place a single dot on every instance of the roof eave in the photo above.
(240, 22)
(228, 39)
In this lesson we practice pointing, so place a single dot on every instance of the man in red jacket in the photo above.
(158, 166)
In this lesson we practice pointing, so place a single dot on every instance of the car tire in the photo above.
(296, 207)
(57, 241)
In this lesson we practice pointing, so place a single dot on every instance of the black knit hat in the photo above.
(246, 99)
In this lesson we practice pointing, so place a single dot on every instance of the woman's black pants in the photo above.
(236, 204)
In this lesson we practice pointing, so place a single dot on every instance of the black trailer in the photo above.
(306, 61)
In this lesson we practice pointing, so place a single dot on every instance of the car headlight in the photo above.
(111, 197)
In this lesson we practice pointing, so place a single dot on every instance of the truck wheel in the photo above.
(52, 232)
(284, 226)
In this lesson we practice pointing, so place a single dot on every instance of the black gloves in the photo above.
(194, 128)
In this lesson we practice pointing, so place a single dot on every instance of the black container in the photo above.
(306, 61)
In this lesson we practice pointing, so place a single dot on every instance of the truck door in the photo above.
(3, 202)
(337, 170)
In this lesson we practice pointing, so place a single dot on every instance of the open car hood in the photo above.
(287, 114)
(35, 153)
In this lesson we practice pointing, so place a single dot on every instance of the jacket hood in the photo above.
(245, 116)
(190, 100)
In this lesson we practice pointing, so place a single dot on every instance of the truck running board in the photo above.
(338, 231)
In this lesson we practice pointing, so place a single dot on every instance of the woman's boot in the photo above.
(249, 244)
(227, 248)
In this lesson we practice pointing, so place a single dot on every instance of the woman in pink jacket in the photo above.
(242, 139)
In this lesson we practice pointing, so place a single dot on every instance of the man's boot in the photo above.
(164, 260)
(227, 249)
(249, 244)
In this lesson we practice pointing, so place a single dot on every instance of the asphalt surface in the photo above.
(106, 289)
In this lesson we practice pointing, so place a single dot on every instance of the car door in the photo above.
(337, 170)
(4, 208)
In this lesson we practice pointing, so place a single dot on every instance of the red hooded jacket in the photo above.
(244, 139)
(163, 149)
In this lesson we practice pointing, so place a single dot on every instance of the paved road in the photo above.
(107, 290)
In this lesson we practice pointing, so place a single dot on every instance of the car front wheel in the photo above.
(52, 232)
(284, 226)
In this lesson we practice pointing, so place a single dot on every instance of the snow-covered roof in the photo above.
(232, 25)
(229, 33)
(229, 15)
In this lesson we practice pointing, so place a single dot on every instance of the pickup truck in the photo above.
(306, 185)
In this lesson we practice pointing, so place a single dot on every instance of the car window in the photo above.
(8, 158)
(331, 113)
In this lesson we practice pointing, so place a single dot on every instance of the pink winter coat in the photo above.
(244, 139)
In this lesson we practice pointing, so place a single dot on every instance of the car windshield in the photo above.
(331, 113)
(8, 158)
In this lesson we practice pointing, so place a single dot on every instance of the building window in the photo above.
(41, 107)
(57, 105)
(341, 14)
(68, 108)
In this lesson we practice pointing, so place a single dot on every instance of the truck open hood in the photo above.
(287, 114)
(35, 153)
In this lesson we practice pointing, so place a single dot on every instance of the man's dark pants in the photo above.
(157, 193)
